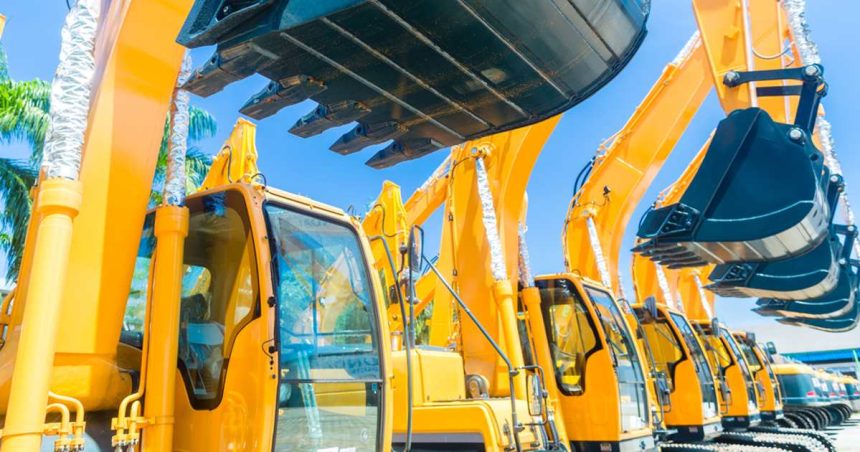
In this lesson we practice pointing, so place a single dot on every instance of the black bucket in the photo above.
(438, 72)
(837, 302)
(810, 275)
(759, 195)
(846, 321)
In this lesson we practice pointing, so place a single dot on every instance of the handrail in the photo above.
(511, 371)
(407, 341)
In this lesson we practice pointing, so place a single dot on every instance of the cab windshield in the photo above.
(330, 383)
(750, 356)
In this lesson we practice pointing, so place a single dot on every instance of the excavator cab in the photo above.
(320, 372)
(766, 384)
(692, 413)
(421, 74)
(598, 369)
(740, 398)
(743, 206)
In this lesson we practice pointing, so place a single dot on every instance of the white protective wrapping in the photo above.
(599, 257)
(703, 296)
(827, 146)
(808, 51)
(438, 173)
(688, 48)
(174, 183)
(664, 287)
(524, 265)
(70, 92)
(488, 210)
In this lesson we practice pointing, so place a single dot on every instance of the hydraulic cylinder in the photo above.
(171, 228)
(58, 203)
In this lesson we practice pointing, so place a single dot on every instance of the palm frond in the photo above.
(4, 65)
(24, 113)
(196, 167)
(16, 179)
(201, 124)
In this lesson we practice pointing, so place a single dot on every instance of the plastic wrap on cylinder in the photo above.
(599, 257)
(705, 304)
(692, 43)
(174, 183)
(664, 287)
(70, 92)
(832, 162)
(807, 49)
(438, 173)
(497, 257)
(524, 265)
(827, 146)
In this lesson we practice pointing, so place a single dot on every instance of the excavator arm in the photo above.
(622, 171)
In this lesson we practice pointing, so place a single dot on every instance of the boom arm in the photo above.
(602, 207)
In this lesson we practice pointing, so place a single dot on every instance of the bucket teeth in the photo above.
(325, 117)
(450, 71)
(398, 151)
(364, 135)
(277, 95)
(223, 68)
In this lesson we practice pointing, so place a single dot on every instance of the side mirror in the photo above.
(665, 391)
(536, 395)
(771, 348)
(715, 326)
(415, 249)
(651, 306)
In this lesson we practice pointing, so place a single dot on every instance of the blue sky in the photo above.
(306, 166)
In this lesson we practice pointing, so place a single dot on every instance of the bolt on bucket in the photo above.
(421, 74)
(759, 195)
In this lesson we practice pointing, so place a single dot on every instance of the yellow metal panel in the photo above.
(464, 252)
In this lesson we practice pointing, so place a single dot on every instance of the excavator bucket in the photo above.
(846, 321)
(426, 74)
(808, 276)
(759, 195)
(804, 277)
(835, 303)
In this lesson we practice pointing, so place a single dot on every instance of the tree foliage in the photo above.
(24, 107)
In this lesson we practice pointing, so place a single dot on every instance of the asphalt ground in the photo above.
(847, 435)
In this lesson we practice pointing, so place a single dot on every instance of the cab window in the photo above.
(219, 291)
(330, 376)
(572, 334)
(665, 347)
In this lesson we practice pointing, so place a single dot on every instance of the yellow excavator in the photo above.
(245, 317)
(264, 320)
(601, 208)
(576, 331)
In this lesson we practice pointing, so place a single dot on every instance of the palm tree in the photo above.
(24, 117)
